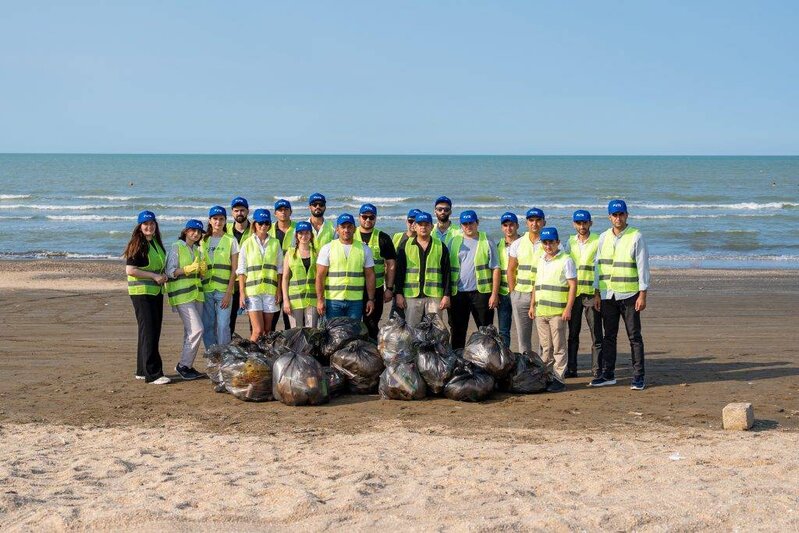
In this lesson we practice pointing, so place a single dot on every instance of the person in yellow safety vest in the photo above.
(621, 281)
(299, 279)
(523, 256)
(259, 271)
(221, 251)
(510, 231)
(399, 239)
(385, 258)
(475, 278)
(145, 259)
(582, 248)
(551, 303)
(444, 230)
(241, 230)
(424, 275)
(283, 231)
(186, 266)
(323, 231)
(343, 269)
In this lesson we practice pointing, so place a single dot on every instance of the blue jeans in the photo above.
(216, 321)
(349, 308)
(504, 318)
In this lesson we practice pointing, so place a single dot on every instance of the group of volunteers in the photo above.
(312, 268)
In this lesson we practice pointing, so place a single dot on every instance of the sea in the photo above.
(694, 212)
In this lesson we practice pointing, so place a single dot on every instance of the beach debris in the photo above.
(435, 363)
(298, 379)
(402, 381)
(249, 379)
(431, 329)
(529, 375)
(738, 416)
(394, 338)
(361, 363)
(469, 383)
(339, 331)
(336, 381)
(486, 350)
(675, 456)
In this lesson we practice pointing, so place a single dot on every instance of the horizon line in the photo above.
(354, 154)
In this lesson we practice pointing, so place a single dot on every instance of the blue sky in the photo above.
(448, 77)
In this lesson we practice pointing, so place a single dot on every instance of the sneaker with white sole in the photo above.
(638, 384)
(140, 377)
(601, 382)
(163, 380)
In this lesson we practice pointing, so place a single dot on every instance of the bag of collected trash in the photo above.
(360, 362)
(336, 381)
(435, 363)
(339, 331)
(431, 329)
(394, 337)
(486, 349)
(298, 379)
(528, 375)
(248, 379)
(246, 344)
(469, 383)
(213, 361)
(402, 382)
(307, 341)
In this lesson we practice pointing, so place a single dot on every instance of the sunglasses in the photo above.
(367, 217)
(411, 221)
(318, 204)
(444, 209)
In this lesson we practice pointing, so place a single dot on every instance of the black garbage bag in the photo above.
(486, 349)
(360, 362)
(529, 375)
(246, 344)
(469, 383)
(435, 363)
(402, 382)
(213, 361)
(248, 379)
(395, 337)
(307, 341)
(431, 329)
(339, 331)
(336, 381)
(298, 379)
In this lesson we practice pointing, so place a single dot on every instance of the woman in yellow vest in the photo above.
(260, 269)
(221, 252)
(145, 260)
(186, 266)
(299, 278)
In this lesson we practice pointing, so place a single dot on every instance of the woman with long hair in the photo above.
(299, 277)
(260, 269)
(222, 254)
(145, 260)
(185, 266)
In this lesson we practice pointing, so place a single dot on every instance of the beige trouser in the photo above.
(304, 318)
(526, 331)
(552, 335)
(416, 308)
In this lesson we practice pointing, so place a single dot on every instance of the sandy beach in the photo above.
(84, 445)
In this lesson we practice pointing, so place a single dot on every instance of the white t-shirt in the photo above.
(513, 249)
(569, 271)
(324, 255)
(242, 269)
(213, 242)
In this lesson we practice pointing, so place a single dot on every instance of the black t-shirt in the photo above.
(280, 234)
(387, 250)
(306, 262)
(402, 267)
(141, 259)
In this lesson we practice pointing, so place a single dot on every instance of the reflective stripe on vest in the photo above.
(185, 289)
(527, 256)
(244, 236)
(156, 260)
(261, 270)
(433, 281)
(326, 235)
(380, 263)
(551, 295)
(502, 254)
(481, 260)
(583, 257)
(219, 267)
(345, 277)
(288, 237)
(618, 270)
(302, 287)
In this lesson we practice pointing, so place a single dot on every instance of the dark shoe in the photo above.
(570, 374)
(186, 372)
(197, 373)
(638, 384)
(556, 386)
(601, 382)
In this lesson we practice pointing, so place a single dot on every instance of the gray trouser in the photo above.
(304, 318)
(416, 308)
(192, 316)
(525, 327)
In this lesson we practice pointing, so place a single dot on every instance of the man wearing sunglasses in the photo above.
(444, 230)
(323, 231)
(621, 280)
(385, 259)
(399, 238)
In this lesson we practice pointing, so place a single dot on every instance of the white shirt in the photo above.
(569, 270)
(242, 269)
(641, 255)
(513, 249)
(173, 260)
(324, 255)
(213, 242)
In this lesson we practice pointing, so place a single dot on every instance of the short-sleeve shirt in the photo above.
(324, 255)
(466, 255)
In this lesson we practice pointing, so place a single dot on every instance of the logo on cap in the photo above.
(422, 217)
(217, 210)
(317, 197)
(282, 203)
(145, 216)
(508, 217)
(413, 213)
(581, 215)
(262, 216)
(549, 234)
(194, 224)
(345, 218)
(617, 206)
(443, 200)
(302, 226)
(534, 212)
(238, 201)
(368, 208)
(468, 217)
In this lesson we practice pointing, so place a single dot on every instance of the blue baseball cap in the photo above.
(238, 201)
(282, 203)
(617, 206)
(413, 212)
(262, 216)
(317, 197)
(145, 216)
(368, 208)
(195, 224)
(534, 212)
(581, 215)
(345, 218)
(508, 217)
(217, 210)
(303, 226)
(549, 234)
(468, 216)
(424, 217)
(443, 200)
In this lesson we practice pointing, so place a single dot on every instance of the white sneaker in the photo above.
(139, 377)
(163, 380)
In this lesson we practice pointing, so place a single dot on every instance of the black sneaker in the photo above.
(556, 386)
(601, 382)
(570, 374)
(637, 384)
(187, 373)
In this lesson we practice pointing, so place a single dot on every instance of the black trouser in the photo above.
(372, 321)
(286, 324)
(611, 311)
(464, 304)
(149, 315)
(234, 309)
(594, 320)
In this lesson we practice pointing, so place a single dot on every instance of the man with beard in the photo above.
(444, 230)
(323, 231)
(240, 230)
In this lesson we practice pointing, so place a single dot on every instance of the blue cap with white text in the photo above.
(195, 224)
(534, 212)
(238, 201)
(282, 203)
(443, 200)
(345, 218)
(145, 216)
(317, 197)
(549, 234)
(262, 216)
(303, 226)
(368, 209)
(581, 215)
(617, 206)
(422, 217)
(217, 210)
(413, 212)
(468, 216)
(508, 217)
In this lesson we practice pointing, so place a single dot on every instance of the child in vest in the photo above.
(185, 266)
(551, 305)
